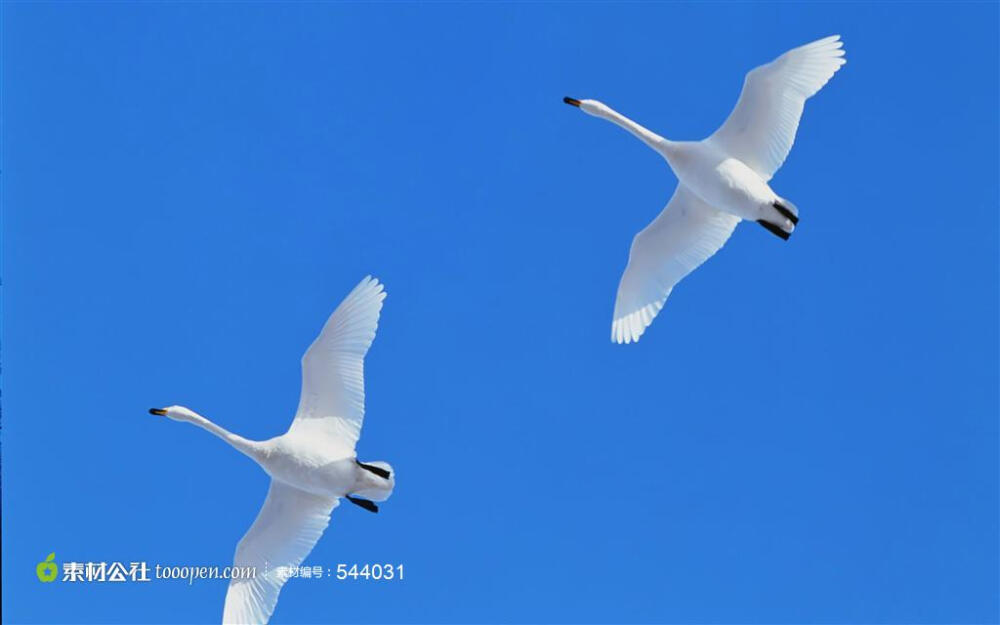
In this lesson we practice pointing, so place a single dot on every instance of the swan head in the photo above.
(590, 107)
(177, 413)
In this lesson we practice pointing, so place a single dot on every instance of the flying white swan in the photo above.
(721, 180)
(314, 463)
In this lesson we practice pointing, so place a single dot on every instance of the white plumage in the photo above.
(721, 180)
(692, 231)
(761, 129)
(312, 465)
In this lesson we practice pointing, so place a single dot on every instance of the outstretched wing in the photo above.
(684, 235)
(285, 531)
(332, 402)
(761, 129)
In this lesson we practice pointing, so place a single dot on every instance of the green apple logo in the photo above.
(47, 570)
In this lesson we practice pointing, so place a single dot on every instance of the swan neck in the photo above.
(245, 445)
(647, 136)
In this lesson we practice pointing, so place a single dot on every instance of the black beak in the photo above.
(160, 412)
(571, 101)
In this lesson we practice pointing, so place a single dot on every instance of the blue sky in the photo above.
(808, 433)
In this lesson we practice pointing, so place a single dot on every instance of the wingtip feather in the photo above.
(630, 327)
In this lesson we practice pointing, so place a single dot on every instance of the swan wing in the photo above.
(684, 235)
(761, 129)
(332, 402)
(285, 531)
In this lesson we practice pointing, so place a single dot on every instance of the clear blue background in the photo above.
(808, 433)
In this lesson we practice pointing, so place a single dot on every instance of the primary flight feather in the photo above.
(721, 180)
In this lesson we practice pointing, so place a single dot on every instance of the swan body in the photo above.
(314, 464)
(309, 466)
(722, 180)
